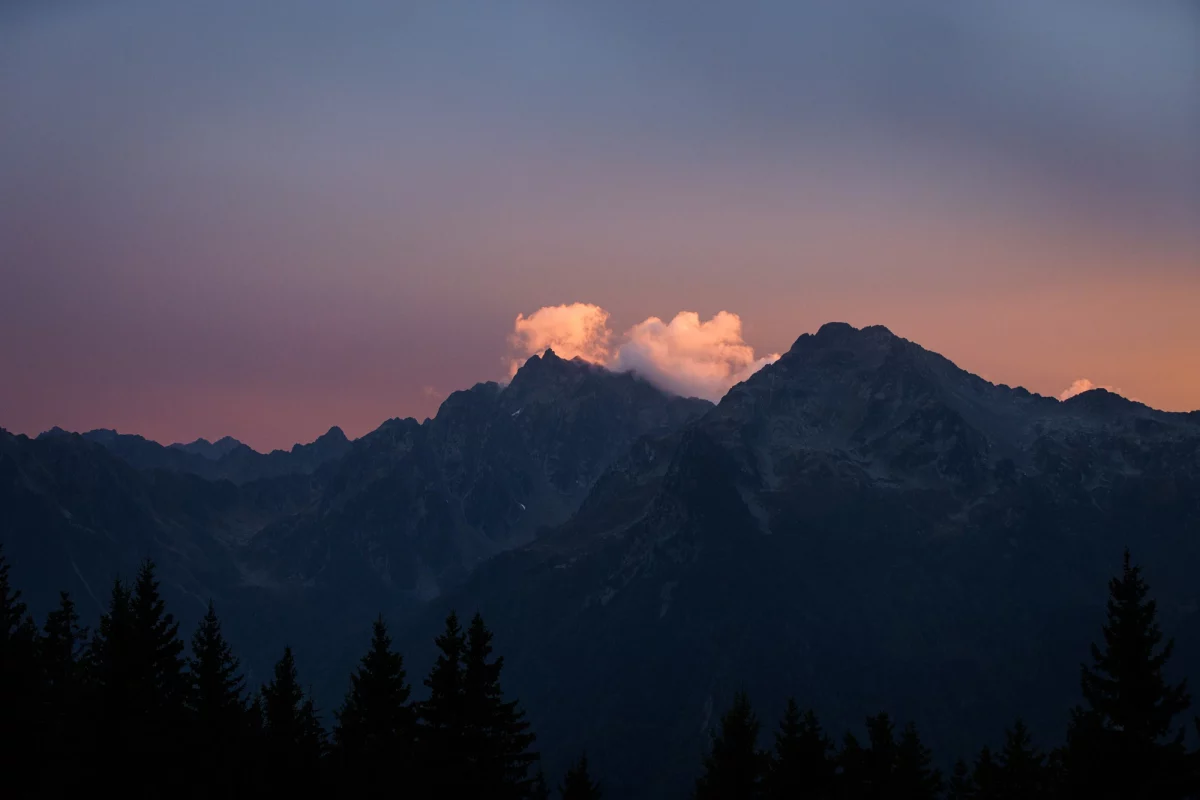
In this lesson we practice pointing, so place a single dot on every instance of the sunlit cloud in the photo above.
(687, 356)
(1083, 385)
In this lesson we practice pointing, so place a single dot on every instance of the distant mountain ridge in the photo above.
(226, 459)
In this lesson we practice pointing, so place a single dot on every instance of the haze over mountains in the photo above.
(861, 522)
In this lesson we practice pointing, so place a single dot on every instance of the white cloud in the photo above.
(687, 356)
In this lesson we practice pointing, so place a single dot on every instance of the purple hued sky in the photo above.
(264, 219)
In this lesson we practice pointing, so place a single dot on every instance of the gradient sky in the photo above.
(263, 219)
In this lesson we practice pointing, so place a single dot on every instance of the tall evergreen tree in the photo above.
(442, 732)
(61, 652)
(540, 790)
(869, 772)
(158, 657)
(220, 717)
(802, 764)
(986, 776)
(498, 735)
(1022, 767)
(293, 740)
(375, 735)
(19, 675)
(1123, 741)
(914, 777)
(960, 786)
(578, 783)
(735, 766)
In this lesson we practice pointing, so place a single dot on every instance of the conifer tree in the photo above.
(61, 652)
(442, 732)
(292, 736)
(914, 776)
(1124, 741)
(735, 766)
(19, 678)
(870, 772)
(960, 786)
(578, 783)
(376, 729)
(497, 733)
(220, 718)
(115, 710)
(1022, 767)
(986, 776)
(802, 764)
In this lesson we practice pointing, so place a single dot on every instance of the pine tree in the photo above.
(159, 667)
(19, 676)
(802, 764)
(960, 786)
(1022, 767)
(986, 776)
(114, 711)
(1123, 741)
(61, 652)
(578, 783)
(292, 736)
(220, 717)
(735, 766)
(376, 730)
(914, 777)
(498, 737)
(442, 732)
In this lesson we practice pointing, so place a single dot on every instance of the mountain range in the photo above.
(861, 524)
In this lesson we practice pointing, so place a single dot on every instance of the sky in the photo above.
(265, 219)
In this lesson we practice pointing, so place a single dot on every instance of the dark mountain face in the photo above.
(862, 524)
(412, 509)
(227, 459)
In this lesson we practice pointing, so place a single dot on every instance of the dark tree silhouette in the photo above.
(539, 790)
(1123, 741)
(914, 775)
(802, 763)
(960, 786)
(986, 776)
(220, 717)
(19, 678)
(61, 652)
(293, 740)
(497, 733)
(1022, 767)
(442, 732)
(375, 735)
(734, 767)
(578, 783)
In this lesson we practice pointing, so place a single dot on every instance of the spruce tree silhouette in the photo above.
(61, 652)
(539, 790)
(802, 764)
(578, 783)
(914, 777)
(1123, 743)
(986, 776)
(1022, 767)
(498, 737)
(960, 786)
(19, 676)
(220, 716)
(375, 734)
(442, 740)
(734, 767)
(293, 740)
(158, 669)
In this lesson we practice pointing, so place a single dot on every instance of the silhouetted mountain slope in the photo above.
(863, 524)
(227, 459)
(413, 508)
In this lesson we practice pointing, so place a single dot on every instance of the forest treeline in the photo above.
(129, 706)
